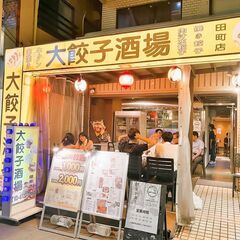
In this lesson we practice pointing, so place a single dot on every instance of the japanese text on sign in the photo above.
(137, 47)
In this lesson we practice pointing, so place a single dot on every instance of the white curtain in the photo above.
(65, 110)
(57, 111)
(184, 197)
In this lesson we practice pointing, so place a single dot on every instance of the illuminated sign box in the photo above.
(19, 172)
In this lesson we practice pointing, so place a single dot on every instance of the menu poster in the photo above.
(64, 188)
(105, 184)
(143, 207)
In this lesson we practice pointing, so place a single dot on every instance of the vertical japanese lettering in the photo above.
(220, 37)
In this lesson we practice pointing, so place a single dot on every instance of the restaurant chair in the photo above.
(97, 147)
(202, 166)
(134, 171)
(236, 171)
(111, 147)
(162, 169)
(134, 167)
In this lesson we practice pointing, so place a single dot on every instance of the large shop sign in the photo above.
(187, 41)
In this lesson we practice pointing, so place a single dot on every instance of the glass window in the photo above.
(224, 6)
(161, 11)
(56, 17)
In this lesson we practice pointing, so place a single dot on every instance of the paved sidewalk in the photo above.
(27, 231)
(218, 220)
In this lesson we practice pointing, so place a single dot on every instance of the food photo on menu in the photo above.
(104, 185)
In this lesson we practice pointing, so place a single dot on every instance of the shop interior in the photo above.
(155, 110)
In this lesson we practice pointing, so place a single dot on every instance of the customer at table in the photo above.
(175, 138)
(67, 141)
(84, 143)
(156, 136)
(197, 151)
(167, 150)
(131, 143)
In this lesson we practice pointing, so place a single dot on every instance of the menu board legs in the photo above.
(81, 236)
(54, 230)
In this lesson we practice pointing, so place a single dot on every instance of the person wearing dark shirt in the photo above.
(212, 144)
(226, 144)
(130, 144)
(67, 141)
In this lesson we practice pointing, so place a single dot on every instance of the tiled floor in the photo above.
(218, 220)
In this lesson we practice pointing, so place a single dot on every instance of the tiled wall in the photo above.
(191, 8)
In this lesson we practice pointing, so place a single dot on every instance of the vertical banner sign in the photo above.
(143, 207)
(12, 89)
(65, 183)
(105, 184)
(20, 166)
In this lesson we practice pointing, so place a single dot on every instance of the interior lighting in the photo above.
(175, 74)
(56, 149)
(80, 85)
(126, 80)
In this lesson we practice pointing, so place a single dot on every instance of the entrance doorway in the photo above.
(222, 116)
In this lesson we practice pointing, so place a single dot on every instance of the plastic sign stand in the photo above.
(105, 188)
(20, 165)
(65, 186)
(146, 215)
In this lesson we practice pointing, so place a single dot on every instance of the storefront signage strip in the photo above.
(187, 41)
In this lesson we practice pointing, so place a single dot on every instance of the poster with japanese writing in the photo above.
(143, 207)
(65, 183)
(12, 89)
(105, 184)
(25, 156)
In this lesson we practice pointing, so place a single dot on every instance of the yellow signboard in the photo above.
(25, 163)
(187, 41)
(11, 93)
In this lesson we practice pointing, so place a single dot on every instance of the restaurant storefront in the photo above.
(207, 42)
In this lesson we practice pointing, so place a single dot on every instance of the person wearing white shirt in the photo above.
(166, 149)
(197, 151)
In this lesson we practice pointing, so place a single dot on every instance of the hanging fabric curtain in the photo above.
(41, 91)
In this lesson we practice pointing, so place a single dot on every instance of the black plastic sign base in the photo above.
(130, 234)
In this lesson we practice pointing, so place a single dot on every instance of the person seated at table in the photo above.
(197, 151)
(166, 149)
(156, 136)
(84, 143)
(67, 141)
(131, 143)
(175, 138)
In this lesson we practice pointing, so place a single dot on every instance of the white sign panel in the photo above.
(64, 188)
(143, 207)
(105, 184)
(197, 126)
